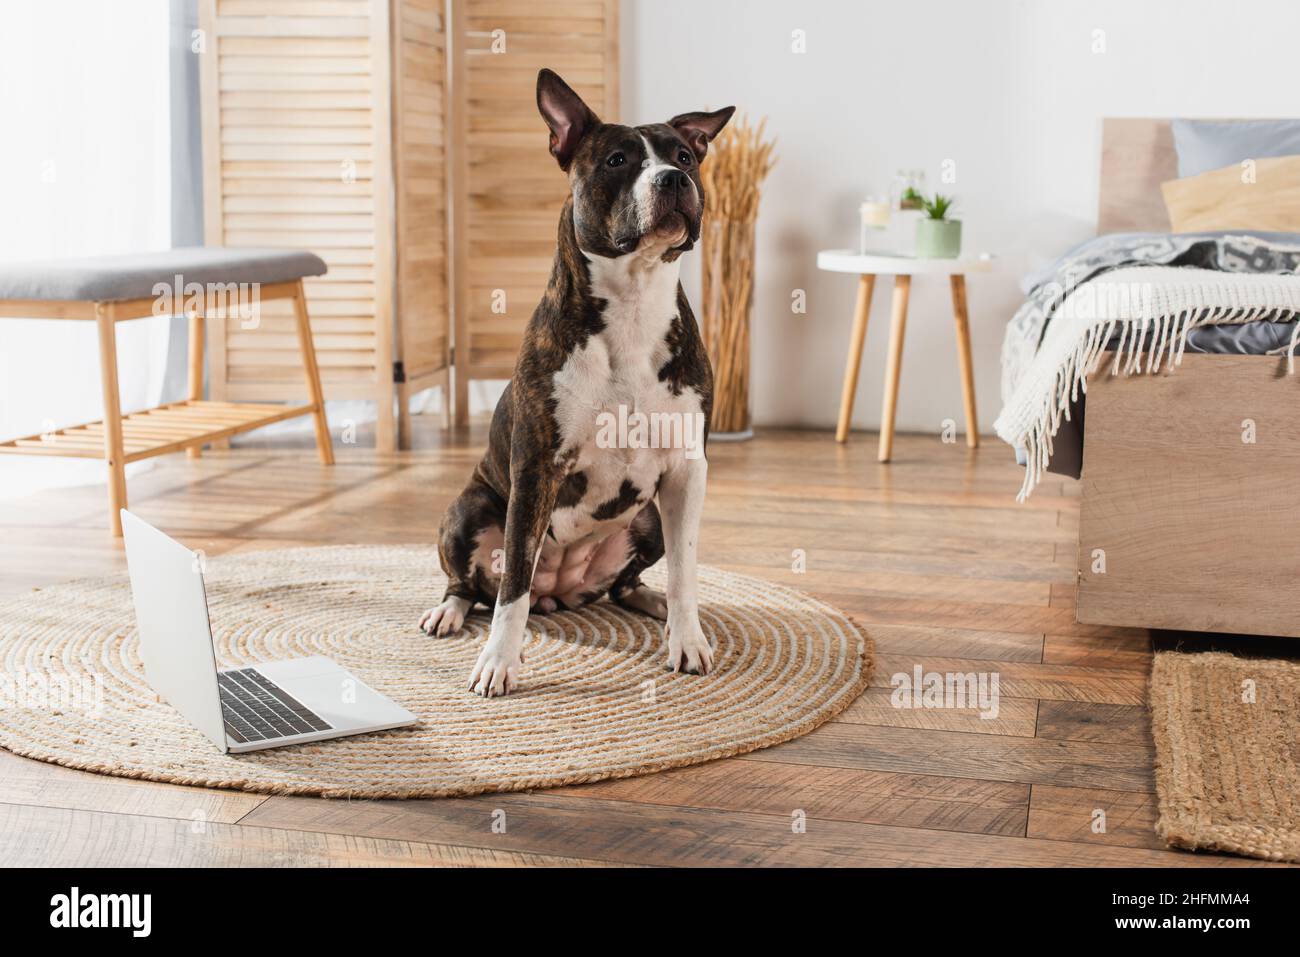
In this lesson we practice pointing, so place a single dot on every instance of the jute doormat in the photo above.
(1227, 737)
(595, 701)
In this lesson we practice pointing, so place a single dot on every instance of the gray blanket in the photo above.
(1045, 290)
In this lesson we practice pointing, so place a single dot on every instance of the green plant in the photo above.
(937, 206)
(911, 199)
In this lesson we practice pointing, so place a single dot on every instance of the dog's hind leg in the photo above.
(647, 547)
(470, 528)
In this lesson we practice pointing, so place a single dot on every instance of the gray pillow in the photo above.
(1204, 145)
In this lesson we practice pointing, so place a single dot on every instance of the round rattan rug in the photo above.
(594, 701)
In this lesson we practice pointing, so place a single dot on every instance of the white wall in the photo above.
(84, 170)
(1009, 89)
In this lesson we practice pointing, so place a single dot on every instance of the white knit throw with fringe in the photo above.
(1151, 309)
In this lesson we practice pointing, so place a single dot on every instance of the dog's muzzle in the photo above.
(676, 208)
(666, 212)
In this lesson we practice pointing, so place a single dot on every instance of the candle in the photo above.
(874, 213)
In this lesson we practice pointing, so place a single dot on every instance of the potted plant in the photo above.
(911, 199)
(937, 236)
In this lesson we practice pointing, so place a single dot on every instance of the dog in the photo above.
(559, 513)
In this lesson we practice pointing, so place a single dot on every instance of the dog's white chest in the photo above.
(620, 425)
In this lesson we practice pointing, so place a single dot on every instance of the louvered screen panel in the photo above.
(295, 120)
(327, 125)
(419, 84)
(508, 189)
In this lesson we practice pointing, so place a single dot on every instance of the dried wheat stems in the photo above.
(738, 161)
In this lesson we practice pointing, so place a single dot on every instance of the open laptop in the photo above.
(268, 705)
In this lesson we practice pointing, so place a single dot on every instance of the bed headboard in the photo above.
(1137, 155)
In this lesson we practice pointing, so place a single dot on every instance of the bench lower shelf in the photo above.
(159, 431)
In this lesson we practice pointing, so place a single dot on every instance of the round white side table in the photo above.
(902, 268)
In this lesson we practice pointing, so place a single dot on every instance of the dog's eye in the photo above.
(684, 157)
(616, 159)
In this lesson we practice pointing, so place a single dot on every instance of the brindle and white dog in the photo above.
(576, 519)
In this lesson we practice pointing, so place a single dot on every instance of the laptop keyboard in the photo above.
(256, 709)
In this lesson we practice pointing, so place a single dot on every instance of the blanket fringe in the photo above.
(1152, 336)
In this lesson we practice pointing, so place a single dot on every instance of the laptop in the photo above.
(268, 705)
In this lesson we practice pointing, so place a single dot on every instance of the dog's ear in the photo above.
(699, 129)
(564, 112)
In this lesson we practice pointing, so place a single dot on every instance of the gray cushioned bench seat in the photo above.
(116, 278)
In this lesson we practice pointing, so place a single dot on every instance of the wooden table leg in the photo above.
(894, 365)
(114, 456)
(860, 313)
(197, 330)
(324, 446)
(962, 321)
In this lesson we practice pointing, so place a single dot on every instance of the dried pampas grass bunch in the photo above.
(733, 172)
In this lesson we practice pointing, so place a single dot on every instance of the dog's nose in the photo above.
(672, 179)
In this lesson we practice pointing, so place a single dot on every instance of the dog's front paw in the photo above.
(447, 618)
(688, 649)
(496, 672)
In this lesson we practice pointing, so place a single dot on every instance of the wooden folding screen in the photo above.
(323, 129)
(507, 190)
(423, 300)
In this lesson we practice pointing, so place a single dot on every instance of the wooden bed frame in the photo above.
(1190, 516)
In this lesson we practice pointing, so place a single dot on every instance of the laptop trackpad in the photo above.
(339, 697)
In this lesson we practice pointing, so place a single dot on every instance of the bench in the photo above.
(198, 282)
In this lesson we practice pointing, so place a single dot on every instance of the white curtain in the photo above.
(84, 170)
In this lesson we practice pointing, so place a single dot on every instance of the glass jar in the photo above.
(909, 189)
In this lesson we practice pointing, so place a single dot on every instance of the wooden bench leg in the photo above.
(114, 455)
(197, 332)
(860, 313)
(963, 359)
(324, 445)
(894, 366)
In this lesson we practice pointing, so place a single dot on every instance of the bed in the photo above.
(1190, 459)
